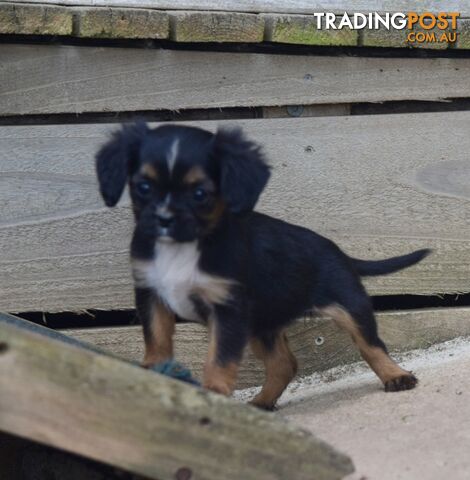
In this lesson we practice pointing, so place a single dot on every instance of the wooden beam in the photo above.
(26, 19)
(279, 6)
(378, 185)
(67, 79)
(120, 23)
(115, 412)
(192, 26)
(316, 341)
(199, 26)
(303, 30)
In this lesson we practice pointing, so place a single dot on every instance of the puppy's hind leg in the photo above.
(362, 327)
(228, 338)
(281, 368)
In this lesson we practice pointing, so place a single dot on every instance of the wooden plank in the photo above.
(281, 6)
(378, 185)
(399, 38)
(35, 19)
(216, 27)
(54, 79)
(302, 29)
(195, 26)
(121, 23)
(463, 38)
(316, 341)
(115, 412)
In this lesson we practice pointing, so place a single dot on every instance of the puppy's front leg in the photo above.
(158, 323)
(228, 338)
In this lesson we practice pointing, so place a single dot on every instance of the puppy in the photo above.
(200, 253)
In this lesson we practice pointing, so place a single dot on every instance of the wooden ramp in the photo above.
(56, 391)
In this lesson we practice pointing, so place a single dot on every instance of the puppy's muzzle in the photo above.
(165, 221)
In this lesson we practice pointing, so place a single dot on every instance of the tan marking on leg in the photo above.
(378, 360)
(281, 368)
(159, 343)
(149, 171)
(218, 378)
(221, 378)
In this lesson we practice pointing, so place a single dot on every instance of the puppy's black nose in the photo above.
(165, 221)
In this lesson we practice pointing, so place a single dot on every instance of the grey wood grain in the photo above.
(115, 412)
(316, 341)
(57, 79)
(378, 185)
(280, 6)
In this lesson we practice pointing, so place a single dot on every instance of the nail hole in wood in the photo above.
(183, 473)
(205, 421)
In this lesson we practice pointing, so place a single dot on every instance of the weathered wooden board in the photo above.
(115, 412)
(281, 6)
(199, 26)
(190, 26)
(378, 185)
(54, 79)
(317, 342)
(120, 23)
(27, 19)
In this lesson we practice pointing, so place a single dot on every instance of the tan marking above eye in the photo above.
(149, 171)
(195, 175)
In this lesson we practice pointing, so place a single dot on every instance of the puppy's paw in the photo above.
(403, 382)
(218, 388)
(269, 407)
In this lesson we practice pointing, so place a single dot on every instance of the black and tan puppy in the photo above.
(200, 252)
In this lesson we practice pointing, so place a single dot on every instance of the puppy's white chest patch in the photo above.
(176, 277)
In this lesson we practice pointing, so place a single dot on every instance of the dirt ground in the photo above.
(418, 434)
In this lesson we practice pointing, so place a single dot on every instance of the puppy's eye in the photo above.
(143, 188)
(199, 194)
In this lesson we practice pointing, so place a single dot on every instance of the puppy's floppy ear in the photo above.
(115, 159)
(243, 170)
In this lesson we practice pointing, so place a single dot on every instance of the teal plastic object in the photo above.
(174, 369)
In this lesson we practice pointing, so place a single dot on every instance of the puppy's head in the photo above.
(182, 180)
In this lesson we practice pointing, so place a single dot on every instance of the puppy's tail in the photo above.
(368, 268)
